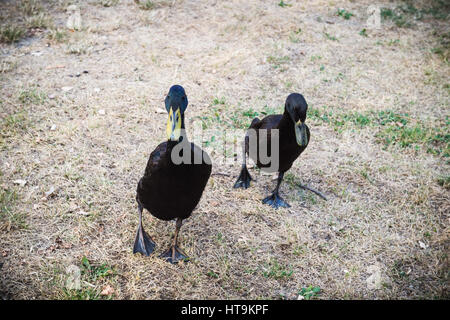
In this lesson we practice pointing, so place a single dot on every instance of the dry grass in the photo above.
(88, 136)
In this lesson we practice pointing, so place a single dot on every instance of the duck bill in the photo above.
(173, 128)
(300, 134)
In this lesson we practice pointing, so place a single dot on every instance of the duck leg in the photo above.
(175, 254)
(243, 181)
(274, 199)
(143, 243)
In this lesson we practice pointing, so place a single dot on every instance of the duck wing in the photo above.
(156, 159)
(270, 122)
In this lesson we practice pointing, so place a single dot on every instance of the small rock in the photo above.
(83, 213)
(53, 127)
(66, 89)
(160, 110)
(74, 277)
(422, 245)
(50, 192)
(102, 112)
(97, 90)
(20, 182)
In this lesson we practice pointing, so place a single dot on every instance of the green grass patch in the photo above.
(32, 96)
(269, 110)
(41, 21)
(10, 219)
(434, 139)
(442, 48)
(147, 5)
(81, 294)
(11, 34)
(392, 128)
(293, 36)
(223, 116)
(57, 35)
(277, 271)
(407, 13)
(212, 274)
(242, 119)
(109, 3)
(309, 292)
(444, 181)
(329, 37)
(95, 272)
(278, 62)
(344, 14)
(93, 277)
(13, 125)
(15, 122)
(30, 7)
(284, 4)
(217, 101)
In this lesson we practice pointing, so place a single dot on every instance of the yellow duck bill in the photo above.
(173, 129)
(300, 134)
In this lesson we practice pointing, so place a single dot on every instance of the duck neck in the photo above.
(286, 127)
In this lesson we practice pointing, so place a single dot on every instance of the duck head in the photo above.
(296, 107)
(176, 103)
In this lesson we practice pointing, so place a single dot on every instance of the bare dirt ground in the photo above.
(73, 145)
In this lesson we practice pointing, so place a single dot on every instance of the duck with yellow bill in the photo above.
(174, 179)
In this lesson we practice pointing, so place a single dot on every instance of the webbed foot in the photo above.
(243, 181)
(274, 200)
(143, 243)
(174, 254)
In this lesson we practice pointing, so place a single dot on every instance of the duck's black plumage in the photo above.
(294, 136)
(170, 191)
(170, 188)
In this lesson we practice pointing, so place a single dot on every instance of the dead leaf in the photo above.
(61, 244)
(107, 291)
